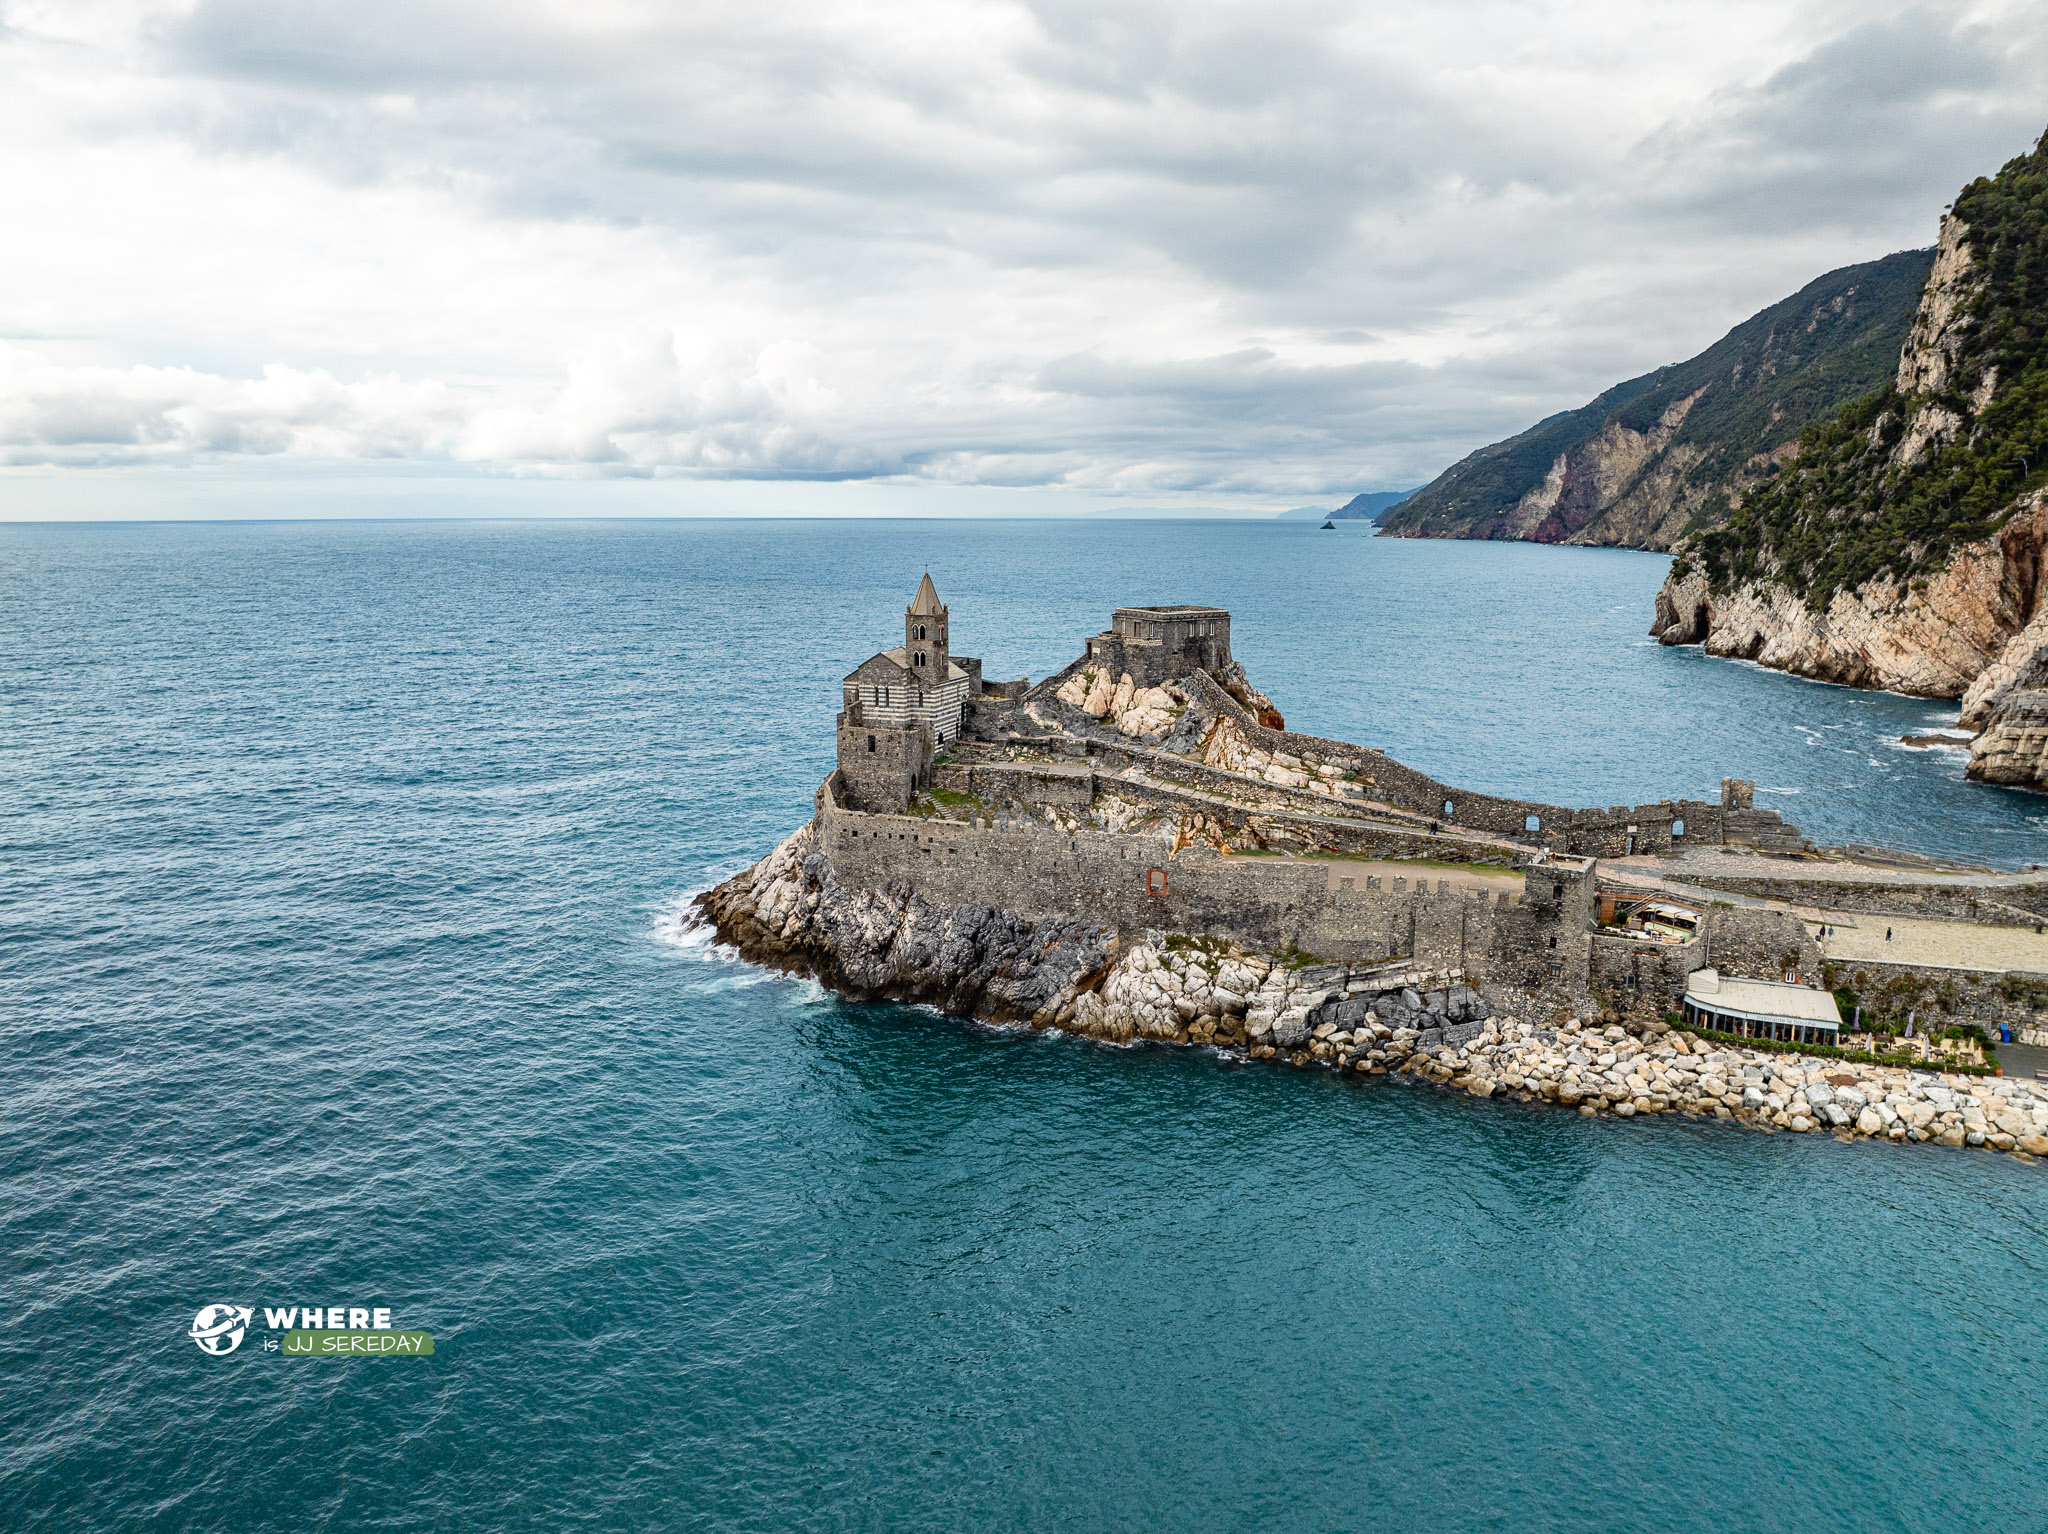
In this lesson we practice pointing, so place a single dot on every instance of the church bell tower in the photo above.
(927, 647)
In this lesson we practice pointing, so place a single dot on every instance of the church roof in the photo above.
(927, 598)
(900, 659)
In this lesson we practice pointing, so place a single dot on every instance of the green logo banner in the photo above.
(305, 1344)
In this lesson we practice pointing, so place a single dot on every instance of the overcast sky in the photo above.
(1251, 255)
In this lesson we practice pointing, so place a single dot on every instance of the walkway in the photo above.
(1964, 945)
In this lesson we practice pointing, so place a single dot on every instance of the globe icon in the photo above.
(218, 1328)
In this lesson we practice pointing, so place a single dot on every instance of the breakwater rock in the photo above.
(790, 913)
(1605, 1070)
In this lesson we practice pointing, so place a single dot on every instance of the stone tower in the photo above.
(927, 647)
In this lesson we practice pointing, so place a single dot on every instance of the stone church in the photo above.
(901, 706)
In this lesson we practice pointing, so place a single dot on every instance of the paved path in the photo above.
(1724, 863)
(1913, 941)
(2022, 1060)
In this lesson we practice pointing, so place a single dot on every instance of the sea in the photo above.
(346, 960)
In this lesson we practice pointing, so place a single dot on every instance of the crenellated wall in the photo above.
(1614, 832)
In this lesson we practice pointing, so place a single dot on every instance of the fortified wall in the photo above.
(1144, 818)
(1615, 832)
(1271, 904)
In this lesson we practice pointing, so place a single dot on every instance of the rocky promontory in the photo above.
(788, 912)
(1901, 547)
(1930, 637)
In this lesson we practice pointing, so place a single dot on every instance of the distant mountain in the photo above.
(1667, 453)
(1905, 545)
(1372, 506)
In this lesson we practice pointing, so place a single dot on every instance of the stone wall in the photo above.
(1064, 787)
(1613, 832)
(880, 764)
(1308, 826)
(1643, 979)
(1742, 940)
(1152, 645)
(1984, 997)
(1268, 904)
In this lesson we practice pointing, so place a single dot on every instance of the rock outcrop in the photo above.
(1930, 638)
(1145, 713)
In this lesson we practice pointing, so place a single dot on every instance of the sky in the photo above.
(416, 257)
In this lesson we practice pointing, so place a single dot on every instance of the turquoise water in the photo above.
(339, 963)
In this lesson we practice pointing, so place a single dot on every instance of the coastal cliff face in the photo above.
(1930, 638)
(788, 912)
(1664, 454)
(1902, 546)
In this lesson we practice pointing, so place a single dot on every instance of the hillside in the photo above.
(1665, 454)
(1903, 547)
(1372, 506)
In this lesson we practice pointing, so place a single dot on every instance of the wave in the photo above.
(683, 926)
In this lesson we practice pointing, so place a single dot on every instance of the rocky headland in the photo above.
(1136, 850)
(788, 912)
(1901, 546)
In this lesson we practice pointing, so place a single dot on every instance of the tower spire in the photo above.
(926, 644)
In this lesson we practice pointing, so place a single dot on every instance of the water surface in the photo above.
(338, 876)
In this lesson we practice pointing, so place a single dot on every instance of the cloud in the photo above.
(1277, 250)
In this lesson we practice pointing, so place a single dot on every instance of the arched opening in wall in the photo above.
(1532, 823)
(1450, 809)
(1677, 829)
(871, 743)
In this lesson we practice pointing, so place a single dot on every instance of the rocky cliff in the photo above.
(1667, 453)
(1902, 545)
(1931, 637)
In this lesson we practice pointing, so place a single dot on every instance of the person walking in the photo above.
(1887, 934)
